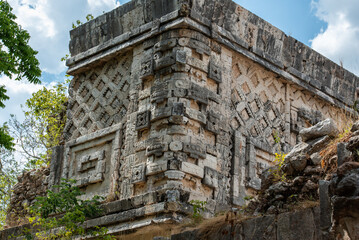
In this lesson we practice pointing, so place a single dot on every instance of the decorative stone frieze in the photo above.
(190, 96)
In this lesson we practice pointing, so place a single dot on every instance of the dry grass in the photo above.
(345, 120)
(215, 226)
(301, 205)
(149, 232)
(330, 151)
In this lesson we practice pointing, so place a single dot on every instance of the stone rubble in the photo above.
(193, 99)
(302, 170)
(31, 184)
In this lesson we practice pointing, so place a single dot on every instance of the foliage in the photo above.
(331, 150)
(9, 169)
(44, 122)
(198, 208)
(6, 141)
(16, 58)
(47, 107)
(279, 161)
(89, 17)
(61, 214)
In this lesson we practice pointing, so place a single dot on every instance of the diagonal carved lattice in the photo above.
(258, 101)
(99, 98)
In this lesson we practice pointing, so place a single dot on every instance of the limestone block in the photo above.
(156, 149)
(181, 57)
(159, 92)
(198, 93)
(326, 127)
(165, 45)
(161, 112)
(178, 109)
(157, 167)
(195, 115)
(192, 169)
(194, 150)
(147, 68)
(213, 123)
(355, 127)
(210, 177)
(305, 219)
(176, 130)
(342, 153)
(215, 72)
(174, 175)
(176, 146)
(138, 174)
(143, 120)
(325, 208)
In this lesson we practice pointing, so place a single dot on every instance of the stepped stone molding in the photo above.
(191, 96)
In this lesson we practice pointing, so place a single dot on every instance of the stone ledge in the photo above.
(321, 82)
(128, 214)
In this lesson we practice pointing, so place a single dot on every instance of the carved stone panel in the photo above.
(91, 168)
(147, 67)
(194, 150)
(215, 72)
(258, 104)
(99, 98)
(91, 161)
(210, 177)
(143, 120)
(138, 173)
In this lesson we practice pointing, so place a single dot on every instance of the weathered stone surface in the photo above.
(355, 127)
(353, 143)
(297, 158)
(30, 185)
(316, 158)
(344, 193)
(326, 127)
(342, 153)
(325, 206)
(210, 177)
(287, 226)
(260, 228)
(171, 94)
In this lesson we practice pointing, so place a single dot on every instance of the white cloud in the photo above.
(49, 23)
(100, 3)
(340, 40)
(19, 92)
(33, 15)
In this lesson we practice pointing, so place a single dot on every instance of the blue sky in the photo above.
(294, 17)
(331, 27)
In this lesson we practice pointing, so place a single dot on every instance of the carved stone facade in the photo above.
(189, 100)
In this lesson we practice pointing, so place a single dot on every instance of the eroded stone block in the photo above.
(194, 150)
(215, 72)
(138, 174)
(143, 120)
(210, 177)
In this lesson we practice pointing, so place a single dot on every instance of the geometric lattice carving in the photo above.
(259, 104)
(99, 98)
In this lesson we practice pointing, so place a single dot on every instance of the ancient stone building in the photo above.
(178, 100)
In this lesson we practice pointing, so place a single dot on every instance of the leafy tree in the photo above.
(71, 213)
(17, 58)
(43, 125)
(9, 170)
(36, 135)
